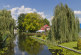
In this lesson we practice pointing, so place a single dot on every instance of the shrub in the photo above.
(43, 36)
(38, 35)
(79, 44)
(1, 39)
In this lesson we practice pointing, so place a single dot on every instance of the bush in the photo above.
(43, 36)
(79, 44)
(1, 39)
(38, 35)
(49, 35)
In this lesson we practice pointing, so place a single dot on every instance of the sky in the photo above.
(43, 7)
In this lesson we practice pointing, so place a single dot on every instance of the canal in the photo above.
(24, 45)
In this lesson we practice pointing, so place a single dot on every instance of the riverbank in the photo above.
(72, 45)
(32, 34)
(65, 51)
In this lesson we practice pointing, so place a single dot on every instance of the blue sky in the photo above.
(43, 7)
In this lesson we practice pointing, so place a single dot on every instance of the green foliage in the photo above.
(32, 22)
(2, 51)
(49, 35)
(6, 24)
(38, 35)
(1, 40)
(43, 36)
(0, 37)
(46, 22)
(61, 51)
(65, 26)
(20, 21)
(79, 44)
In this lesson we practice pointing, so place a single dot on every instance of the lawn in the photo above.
(41, 37)
(72, 45)
(65, 51)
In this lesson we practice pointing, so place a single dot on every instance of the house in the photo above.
(44, 28)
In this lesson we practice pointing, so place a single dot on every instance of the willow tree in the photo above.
(65, 26)
(6, 23)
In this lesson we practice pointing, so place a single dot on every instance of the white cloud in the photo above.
(80, 20)
(6, 6)
(50, 19)
(77, 12)
(18, 10)
(42, 14)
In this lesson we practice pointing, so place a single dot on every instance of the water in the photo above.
(23, 45)
(27, 46)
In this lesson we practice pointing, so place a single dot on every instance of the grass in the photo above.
(72, 45)
(65, 51)
(40, 37)
(40, 41)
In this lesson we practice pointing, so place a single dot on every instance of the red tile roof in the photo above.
(44, 27)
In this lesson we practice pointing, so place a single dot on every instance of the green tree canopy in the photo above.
(6, 22)
(20, 21)
(6, 25)
(65, 26)
(46, 22)
(33, 22)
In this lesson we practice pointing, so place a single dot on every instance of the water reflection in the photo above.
(8, 47)
(56, 51)
(10, 51)
(29, 46)
(24, 45)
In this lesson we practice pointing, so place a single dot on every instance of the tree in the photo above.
(20, 21)
(32, 22)
(46, 22)
(6, 24)
(65, 26)
(79, 44)
(1, 40)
